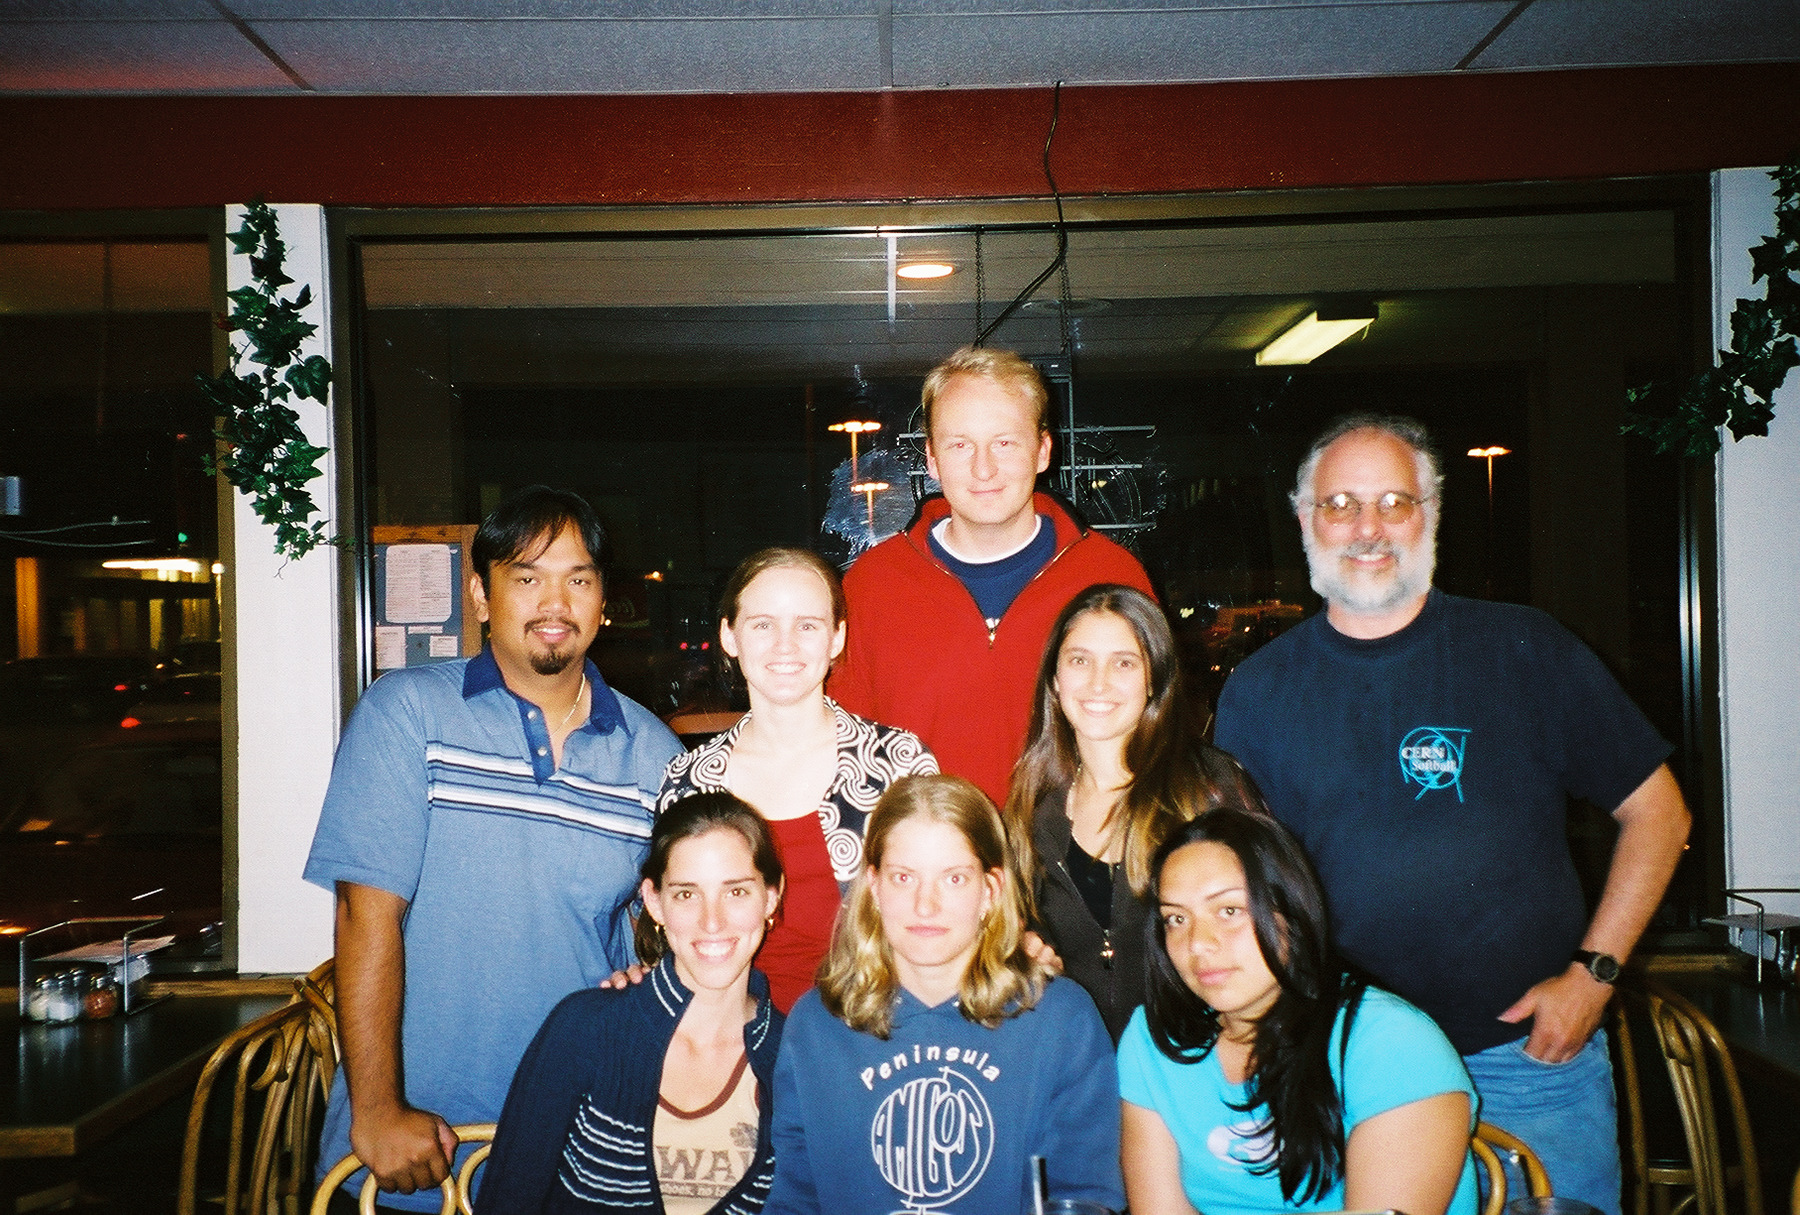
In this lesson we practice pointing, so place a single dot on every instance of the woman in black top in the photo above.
(1111, 768)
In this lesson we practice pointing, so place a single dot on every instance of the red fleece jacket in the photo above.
(919, 654)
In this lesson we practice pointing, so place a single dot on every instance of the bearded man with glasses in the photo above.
(1424, 747)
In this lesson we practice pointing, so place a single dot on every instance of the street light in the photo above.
(1488, 454)
(868, 489)
(853, 429)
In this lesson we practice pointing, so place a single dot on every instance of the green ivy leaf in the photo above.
(1738, 393)
(1767, 257)
(267, 455)
(311, 378)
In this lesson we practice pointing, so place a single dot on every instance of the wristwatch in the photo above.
(1603, 966)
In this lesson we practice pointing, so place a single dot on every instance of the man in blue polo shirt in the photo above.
(482, 832)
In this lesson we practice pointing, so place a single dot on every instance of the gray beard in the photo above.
(1410, 580)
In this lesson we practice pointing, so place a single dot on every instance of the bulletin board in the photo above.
(423, 610)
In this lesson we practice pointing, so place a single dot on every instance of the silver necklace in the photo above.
(579, 693)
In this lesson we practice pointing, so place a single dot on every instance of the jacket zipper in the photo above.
(994, 628)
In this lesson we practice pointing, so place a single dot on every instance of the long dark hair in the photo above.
(1290, 1057)
(691, 817)
(1174, 773)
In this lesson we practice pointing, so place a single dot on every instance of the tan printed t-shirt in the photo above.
(701, 1154)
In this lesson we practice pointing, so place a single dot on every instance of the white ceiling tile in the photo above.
(133, 57)
(578, 56)
(1582, 33)
(589, 10)
(639, 46)
(1190, 44)
(106, 10)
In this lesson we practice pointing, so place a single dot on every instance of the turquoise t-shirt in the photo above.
(1397, 1055)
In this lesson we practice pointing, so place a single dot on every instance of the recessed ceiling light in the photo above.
(926, 270)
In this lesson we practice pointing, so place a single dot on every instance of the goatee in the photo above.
(552, 662)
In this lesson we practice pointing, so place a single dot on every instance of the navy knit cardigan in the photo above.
(608, 1046)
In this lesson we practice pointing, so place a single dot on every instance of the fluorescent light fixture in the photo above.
(182, 565)
(926, 270)
(1315, 334)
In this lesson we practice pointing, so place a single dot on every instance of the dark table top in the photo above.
(1761, 1023)
(70, 1086)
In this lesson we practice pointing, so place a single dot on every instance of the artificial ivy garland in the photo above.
(267, 455)
(1739, 392)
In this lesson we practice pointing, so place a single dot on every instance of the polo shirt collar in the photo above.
(483, 675)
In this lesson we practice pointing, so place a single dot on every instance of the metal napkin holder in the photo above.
(140, 924)
(1767, 925)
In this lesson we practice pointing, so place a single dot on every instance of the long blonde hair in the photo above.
(858, 982)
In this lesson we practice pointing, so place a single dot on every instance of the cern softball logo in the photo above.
(1431, 757)
(932, 1139)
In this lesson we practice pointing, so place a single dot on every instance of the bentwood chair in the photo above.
(458, 1198)
(1490, 1144)
(1700, 1068)
(281, 1066)
(1657, 1175)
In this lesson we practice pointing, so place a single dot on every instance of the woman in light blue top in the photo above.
(1258, 1076)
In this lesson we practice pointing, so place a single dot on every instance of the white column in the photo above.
(1759, 582)
(286, 674)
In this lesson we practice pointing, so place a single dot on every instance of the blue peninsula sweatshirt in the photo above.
(944, 1116)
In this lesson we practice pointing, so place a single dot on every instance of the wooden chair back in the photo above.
(1701, 1070)
(1490, 1144)
(458, 1187)
(281, 1066)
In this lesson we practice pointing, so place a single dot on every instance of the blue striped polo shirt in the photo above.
(518, 874)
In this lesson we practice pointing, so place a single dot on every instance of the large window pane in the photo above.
(109, 664)
(695, 388)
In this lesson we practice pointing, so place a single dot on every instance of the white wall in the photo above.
(1759, 582)
(286, 674)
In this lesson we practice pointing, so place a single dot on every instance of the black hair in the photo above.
(1290, 1056)
(527, 522)
(696, 815)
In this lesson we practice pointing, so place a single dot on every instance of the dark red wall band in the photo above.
(58, 153)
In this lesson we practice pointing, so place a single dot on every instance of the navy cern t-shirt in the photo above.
(1427, 773)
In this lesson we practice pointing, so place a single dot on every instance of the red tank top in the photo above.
(794, 946)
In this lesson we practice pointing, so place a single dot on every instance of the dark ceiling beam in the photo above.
(1487, 39)
(897, 145)
(256, 40)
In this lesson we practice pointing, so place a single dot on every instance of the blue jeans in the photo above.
(1564, 1111)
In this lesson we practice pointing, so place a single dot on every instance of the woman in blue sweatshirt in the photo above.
(655, 1098)
(935, 1058)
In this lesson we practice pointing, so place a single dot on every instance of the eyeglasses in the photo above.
(1391, 507)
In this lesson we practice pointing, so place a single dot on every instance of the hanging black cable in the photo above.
(1062, 231)
(980, 287)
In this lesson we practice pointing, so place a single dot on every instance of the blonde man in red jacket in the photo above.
(948, 620)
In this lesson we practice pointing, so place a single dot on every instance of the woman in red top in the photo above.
(811, 768)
